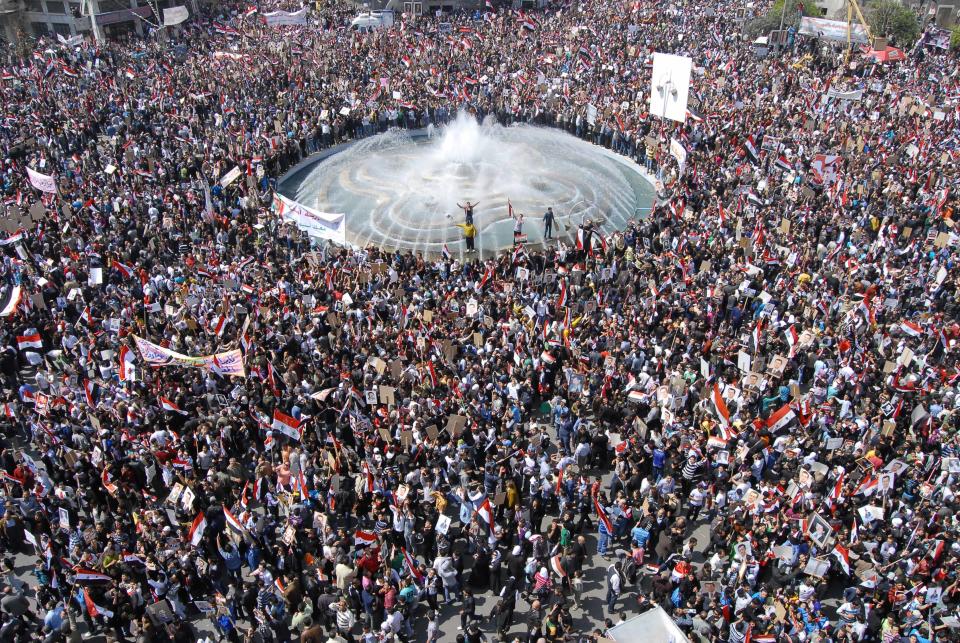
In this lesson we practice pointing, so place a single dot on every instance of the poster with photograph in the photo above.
(819, 530)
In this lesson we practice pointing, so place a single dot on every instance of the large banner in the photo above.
(832, 30)
(283, 18)
(43, 182)
(174, 16)
(321, 225)
(226, 363)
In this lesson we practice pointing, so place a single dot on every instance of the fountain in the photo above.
(400, 190)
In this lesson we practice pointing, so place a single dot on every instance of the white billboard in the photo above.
(320, 225)
(832, 30)
(669, 86)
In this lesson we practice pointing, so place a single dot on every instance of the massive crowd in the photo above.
(206, 416)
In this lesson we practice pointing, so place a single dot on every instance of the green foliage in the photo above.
(894, 21)
(955, 38)
(770, 21)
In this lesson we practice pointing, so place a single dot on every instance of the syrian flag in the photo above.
(133, 558)
(720, 406)
(280, 587)
(548, 358)
(368, 477)
(562, 297)
(31, 340)
(909, 328)
(487, 275)
(107, 484)
(287, 425)
(10, 300)
(82, 575)
(86, 317)
(868, 486)
(843, 557)
(243, 495)
(556, 565)
(751, 148)
(126, 370)
(125, 270)
(486, 512)
(197, 529)
(854, 531)
(232, 521)
(412, 566)
(91, 392)
(783, 163)
(446, 253)
(716, 442)
(837, 490)
(603, 517)
(6, 410)
(406, 61)
(780, 418)
(168, 405)
(92, 608)
(302, 484)
(364, 538)
(218, 324)
(276, 383)
(792, 339)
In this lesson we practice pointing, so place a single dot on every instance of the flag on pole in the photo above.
(82, 575)
(910, 328)
(126, 371)
(168, 405)
(287, 425)
(602, 515)
(233, 523)
(412, 566)
(364, 538)
(842, 556)
(125, 271)
(792, 339)
(31, 339)
(780, 418)
(92, 608)
(197, 529)
(9, 300)
(720, 406)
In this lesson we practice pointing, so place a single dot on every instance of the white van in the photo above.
(370, 20)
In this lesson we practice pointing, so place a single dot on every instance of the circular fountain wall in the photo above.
(400, 190)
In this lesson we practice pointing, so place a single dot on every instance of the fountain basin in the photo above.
(400, 190)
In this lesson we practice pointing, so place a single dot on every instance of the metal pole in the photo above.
(97, 36)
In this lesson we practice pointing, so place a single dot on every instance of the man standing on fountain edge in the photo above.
(469, 233)
(548, 224)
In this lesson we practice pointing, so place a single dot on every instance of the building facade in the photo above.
(36, 18)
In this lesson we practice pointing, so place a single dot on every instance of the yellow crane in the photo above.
(854, 8)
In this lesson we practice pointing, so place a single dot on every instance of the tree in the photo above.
(763, 25)
(890, 19)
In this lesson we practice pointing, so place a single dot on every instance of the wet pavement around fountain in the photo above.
(401, 191)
